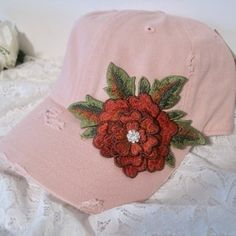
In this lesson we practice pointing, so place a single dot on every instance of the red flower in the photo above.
(136, 133)
(135, 130)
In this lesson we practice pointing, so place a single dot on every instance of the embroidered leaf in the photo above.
(166, 92)
(144, 85)
(176, 114)
(185, 122)
(93, 101)
(87, 111)
(187, 136)
(120, 84)
(154, 89)
(170, 160)
(90, 132)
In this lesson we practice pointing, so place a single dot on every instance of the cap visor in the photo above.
(48, 146)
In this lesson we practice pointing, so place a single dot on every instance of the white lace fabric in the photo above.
(199, 198)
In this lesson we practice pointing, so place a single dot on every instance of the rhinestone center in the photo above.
(133, 136)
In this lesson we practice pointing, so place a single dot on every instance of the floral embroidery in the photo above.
(134, 129)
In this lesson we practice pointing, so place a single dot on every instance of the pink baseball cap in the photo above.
(137, 90)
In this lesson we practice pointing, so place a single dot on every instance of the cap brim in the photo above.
(48, 146)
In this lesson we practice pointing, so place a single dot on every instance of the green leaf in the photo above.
(120, 84)
(154, 89)
(90, 132)
(185, 122)
(93, 101)
(170, 160)
(187, 136)
(166, 92)
(87, 112)
(176, 114)
(144, 85)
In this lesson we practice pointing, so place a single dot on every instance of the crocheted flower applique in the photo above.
(136, 130)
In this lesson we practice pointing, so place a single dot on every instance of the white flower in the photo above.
(8, 45)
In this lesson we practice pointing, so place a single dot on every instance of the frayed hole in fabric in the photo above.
(190, 65)
(92, 206)
(51, 118)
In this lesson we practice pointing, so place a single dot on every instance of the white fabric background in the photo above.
(199, 199)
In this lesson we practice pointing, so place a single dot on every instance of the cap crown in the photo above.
(154, 45)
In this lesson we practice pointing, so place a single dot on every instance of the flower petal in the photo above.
(135, 149)
(102, 128)
(155, 164)
(114, 126)
(130, 116)
(112, 109)
(153, 154)
(132, 125)
(143, 136)
(168, 128)
(129, 160)
(107, 151)
(118, 131)
(149, 126)
(105, 144)
(122, 148)
(115, 104)
(130, 171)
(143, 166)
(144, 103)
(98, 141)
(163, 151)
(149, 144)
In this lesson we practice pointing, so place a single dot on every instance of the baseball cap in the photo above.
(137, 90)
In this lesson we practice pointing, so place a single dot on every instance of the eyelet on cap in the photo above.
(149, 28)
